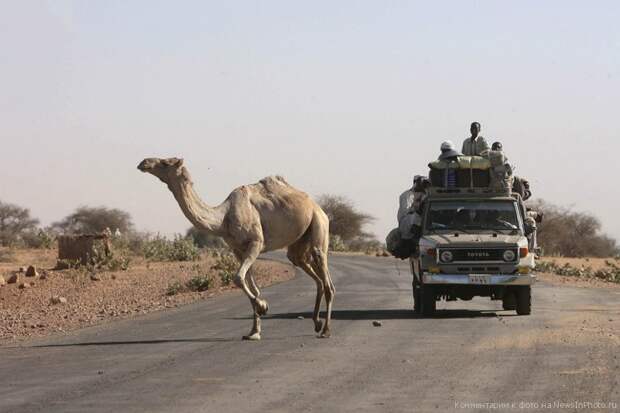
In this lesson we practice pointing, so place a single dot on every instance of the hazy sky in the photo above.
(341, 97)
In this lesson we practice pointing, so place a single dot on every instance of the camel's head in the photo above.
(167, 170)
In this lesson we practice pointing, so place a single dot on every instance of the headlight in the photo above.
(509, 255)
(446, 256)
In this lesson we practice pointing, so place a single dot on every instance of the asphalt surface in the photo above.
(192, 359)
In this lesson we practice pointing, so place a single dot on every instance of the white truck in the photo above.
(474, 242)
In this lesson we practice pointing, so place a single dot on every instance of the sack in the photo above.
(398, 247)
(462, 162)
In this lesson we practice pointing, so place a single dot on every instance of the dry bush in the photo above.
(571, 233)
(88, 220)
(346, 225)
(15, 223)
(163, 249)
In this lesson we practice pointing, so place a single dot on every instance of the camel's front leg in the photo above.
(258, 305)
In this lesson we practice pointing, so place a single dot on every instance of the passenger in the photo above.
(409, 205)
(449, 154)
(475, 145)
(405, 205)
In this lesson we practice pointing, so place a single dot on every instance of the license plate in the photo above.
(479, 279)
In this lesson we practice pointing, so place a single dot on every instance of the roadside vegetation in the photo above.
(347, 226)
(568, 233)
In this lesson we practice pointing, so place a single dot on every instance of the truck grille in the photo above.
(479, 254)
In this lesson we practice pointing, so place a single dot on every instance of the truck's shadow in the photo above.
(396, 314)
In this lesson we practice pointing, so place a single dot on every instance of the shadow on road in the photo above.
(388, 314)
(124, 343)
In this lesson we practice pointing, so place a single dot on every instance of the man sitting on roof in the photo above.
(475, 145)
(449, 154)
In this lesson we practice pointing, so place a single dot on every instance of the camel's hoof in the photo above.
(318, 325)
(252, 337)
(325, 334)
(261, 306)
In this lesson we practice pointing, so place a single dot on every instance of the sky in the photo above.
(349, 98)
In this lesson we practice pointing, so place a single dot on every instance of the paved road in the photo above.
(191, 359)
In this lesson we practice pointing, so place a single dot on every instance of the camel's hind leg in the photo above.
(320, 245)
(299, 255)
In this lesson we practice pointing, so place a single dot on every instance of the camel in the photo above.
(257, 218)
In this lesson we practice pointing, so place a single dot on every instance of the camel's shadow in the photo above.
(389, 314)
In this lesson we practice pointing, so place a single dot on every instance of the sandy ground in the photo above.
(29, 312)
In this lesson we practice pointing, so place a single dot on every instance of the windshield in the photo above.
(472, 215)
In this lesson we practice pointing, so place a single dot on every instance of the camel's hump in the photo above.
(274, 179)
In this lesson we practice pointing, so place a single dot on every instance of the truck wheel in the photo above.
(524, 300)
(417, 299)
(509, 302)
(429, 303)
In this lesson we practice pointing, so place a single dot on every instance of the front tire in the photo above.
(509, 301)
(429, 301)
(524, 300)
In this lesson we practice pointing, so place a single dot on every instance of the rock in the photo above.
(43, 275)
(58, 300)
(22, 269)
(24, 285)
(32, 271)
(13, 279)
(300, 317)
(377, 323)
(2, 280)
(95, 277)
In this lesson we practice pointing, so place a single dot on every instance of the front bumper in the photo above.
(479, 279)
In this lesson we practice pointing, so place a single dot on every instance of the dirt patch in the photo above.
(143, 288)
(583, 327)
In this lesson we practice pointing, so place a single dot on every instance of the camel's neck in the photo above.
(203, 216)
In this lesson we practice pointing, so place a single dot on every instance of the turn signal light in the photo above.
(523, 252)
(434, 270)
(523, 270)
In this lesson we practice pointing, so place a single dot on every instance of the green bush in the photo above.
(227, 266)
(162, 249)
(175, 287)
(199, 283)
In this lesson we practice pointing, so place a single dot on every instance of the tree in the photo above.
(88, 220)
(205, 240)
(344, 220)
(15, 222)
(572, 233)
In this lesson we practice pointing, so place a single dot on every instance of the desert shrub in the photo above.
(199, 283)
(336, 243)
(89, 220)
(368, 245)
(163, 249)
(15, 222)
(571, 233)
(175, 287)
(41, 239)
(344, 220)
(226, 266)
(610, 273)
(205, 240)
